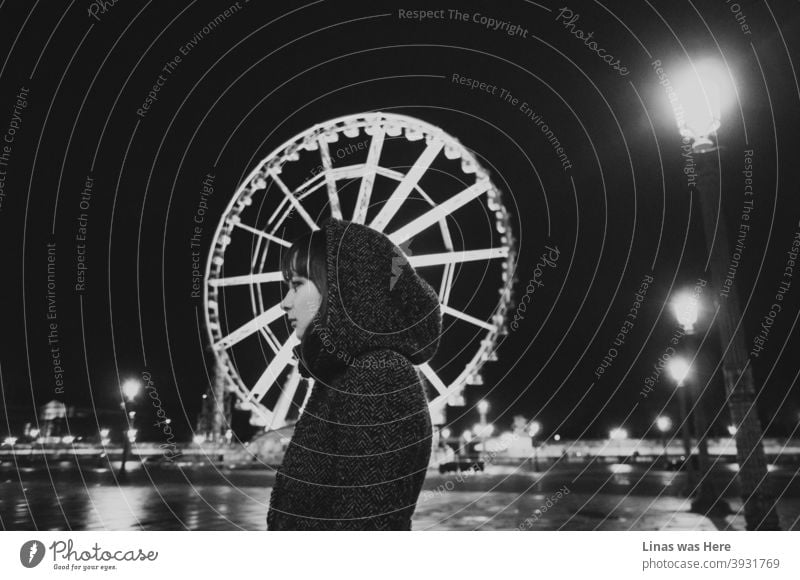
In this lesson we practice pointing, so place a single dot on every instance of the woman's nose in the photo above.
(286, 303)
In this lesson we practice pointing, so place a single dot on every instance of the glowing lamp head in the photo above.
(534, 428)
(664, 424)
(678, 368)
(702, 91)
(446, 433)
(483, 406)
(131, 388)
(687, 309)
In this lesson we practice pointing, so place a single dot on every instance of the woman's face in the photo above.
(301, 303)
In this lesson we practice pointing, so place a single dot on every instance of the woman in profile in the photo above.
(360, 451)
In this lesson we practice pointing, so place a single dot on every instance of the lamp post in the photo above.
(483, 408)
(130, 390)
(533, 431)
(467, 437)
(701, 98)
(484, 431)
(664, 424)
(678, 369)
(686, 307)
(444, 436)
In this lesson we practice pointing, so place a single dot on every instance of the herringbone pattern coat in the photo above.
(360, 451)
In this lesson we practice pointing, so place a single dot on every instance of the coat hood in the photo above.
(376, 300)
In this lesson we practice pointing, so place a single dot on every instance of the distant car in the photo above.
(455, 466)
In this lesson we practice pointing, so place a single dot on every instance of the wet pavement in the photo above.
(570, 497)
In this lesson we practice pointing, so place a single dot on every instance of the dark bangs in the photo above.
(308, 258)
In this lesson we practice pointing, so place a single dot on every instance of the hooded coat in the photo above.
(360, 451)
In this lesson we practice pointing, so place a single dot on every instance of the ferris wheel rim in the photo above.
(361, 120)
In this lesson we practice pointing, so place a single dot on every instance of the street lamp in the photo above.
(483, 408)
(664, 424)
(700, 89)
(618, 434)
(678, 368)
(130, 390)
(466, 436)
(703, 93)
(533, 430)
(686, 308)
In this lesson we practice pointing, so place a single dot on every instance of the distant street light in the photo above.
(618, 434)
(483, 408)
(732, 430)
(686, 307)
(130, 390)
(534, 427)
(664, 424)
(678, 368)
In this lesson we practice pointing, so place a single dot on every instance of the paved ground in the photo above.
(504, 499)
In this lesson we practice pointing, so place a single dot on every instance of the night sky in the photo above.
(107, 185)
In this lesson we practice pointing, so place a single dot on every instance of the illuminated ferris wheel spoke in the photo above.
(270, 376)
(330, 181)
(466, 317)
(263, 319)
(434, 379)
(261, 278)
(293, 200)
(447, 283)
(405, 187)
(285, 399)
(439, 212)
(422, 260)
(264, 235)
(368, 179)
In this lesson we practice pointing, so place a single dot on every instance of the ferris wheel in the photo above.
(398, 175)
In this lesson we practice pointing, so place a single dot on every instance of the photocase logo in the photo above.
(399, 261)
(31, 553)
